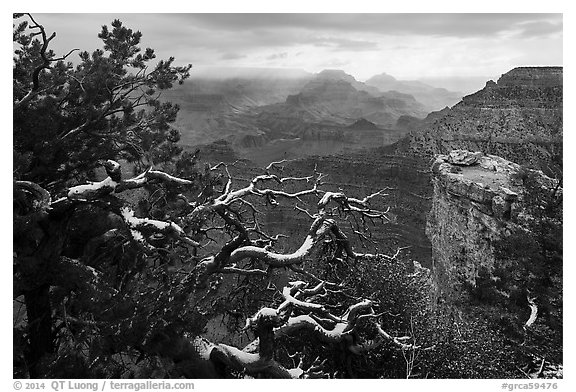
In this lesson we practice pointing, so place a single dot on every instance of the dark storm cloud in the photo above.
(450, 25)
(229, 34)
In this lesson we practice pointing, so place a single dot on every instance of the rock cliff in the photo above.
(496, 234)
(488, 226)
(472, 207)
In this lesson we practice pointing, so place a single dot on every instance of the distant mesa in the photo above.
(335, 74)
(268, 104)
(339, 75)
(334, 97)
(534, 87)
(540, 77)
(383, 81)
(363, 124)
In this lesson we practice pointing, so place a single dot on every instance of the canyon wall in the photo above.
(519, 118)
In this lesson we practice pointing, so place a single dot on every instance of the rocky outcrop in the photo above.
(477, 201)
(496, 234)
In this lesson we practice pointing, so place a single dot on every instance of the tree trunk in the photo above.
(41, 340)
(265, 333)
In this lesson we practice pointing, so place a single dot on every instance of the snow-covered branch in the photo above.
(533, 312)
(252, 363)
(115, 184)
(151, 176)
(138, 226)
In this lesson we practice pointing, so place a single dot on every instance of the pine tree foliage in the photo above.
(67, 115)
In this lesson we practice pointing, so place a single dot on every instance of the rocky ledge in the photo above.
(478, 200)
(483, 181)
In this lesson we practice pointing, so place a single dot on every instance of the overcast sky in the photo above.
(407, 46)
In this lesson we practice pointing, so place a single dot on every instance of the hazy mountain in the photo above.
(253, 106)
(333, 97)
(362, 124)
(433, 98)
(214, 102)
(336, 74)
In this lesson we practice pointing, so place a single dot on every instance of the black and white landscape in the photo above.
(288, 196)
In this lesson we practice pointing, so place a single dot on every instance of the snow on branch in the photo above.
(352, 204)
(151, 176)
(342, 325)
(248, 362)
(139, 225)
(230, 196)
(276, 260)
(92, 190)
(115, 184)
(398, 341)
(533, 313)
(328, 327)
(269, 324)
(241, 248)
(321, 227)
